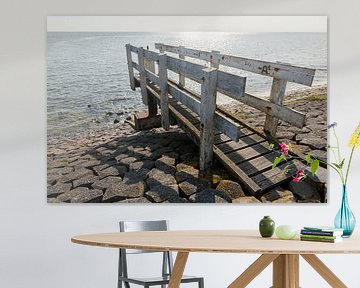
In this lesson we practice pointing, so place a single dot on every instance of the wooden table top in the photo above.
(216, 241)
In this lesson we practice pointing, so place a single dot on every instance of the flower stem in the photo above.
(348, 167)
(339, 155)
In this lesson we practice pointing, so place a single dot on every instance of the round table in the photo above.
(284, 254)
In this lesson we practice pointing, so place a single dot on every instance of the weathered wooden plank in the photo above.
(228, 84)
(260, 164)
(275, 177)
(207, 113)
(150, 66)
(249, 153)
(241, 143)
(223, 123)
(194, 134)
(290, 73)
(193, 53)
(134, 49)
(142, 75)
(184, 98)
(231, 85)
(276, 96)
(235, 171)
(221, 138)
(181, 75)
(288, 115)
(164, 97)
(152, 77)
(215, 59)
(189, 69)
(136, 66)
(296, 74)
(151, 55)
(130, 66)
(191, 116)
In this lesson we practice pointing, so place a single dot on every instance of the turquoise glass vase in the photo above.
(345, 219)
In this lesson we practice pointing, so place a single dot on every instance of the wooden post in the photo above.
(214, 59)
(148, 100)
(181, 76)
(207, 113)
(142, 75)
(286, 271)
(130, 66)
(152, 103)
(164, 97)
(276, 96)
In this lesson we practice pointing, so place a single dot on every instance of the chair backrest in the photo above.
(134, 226)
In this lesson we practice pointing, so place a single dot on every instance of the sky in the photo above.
(239, 24)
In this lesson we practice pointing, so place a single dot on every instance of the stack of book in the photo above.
(321, 234)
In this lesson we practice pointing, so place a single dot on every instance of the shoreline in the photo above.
(119, 164)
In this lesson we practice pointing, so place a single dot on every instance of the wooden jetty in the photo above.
(242, 150)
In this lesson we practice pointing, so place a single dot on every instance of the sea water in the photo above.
(87, 75)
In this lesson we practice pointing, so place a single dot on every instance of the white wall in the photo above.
(35, 248)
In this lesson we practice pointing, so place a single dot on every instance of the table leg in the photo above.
(253, 270)
(178, 270)
(286, 271)
(324, 271)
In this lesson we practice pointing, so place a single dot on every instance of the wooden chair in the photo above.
(167, 263)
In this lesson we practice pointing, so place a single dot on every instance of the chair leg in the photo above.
(201, 283)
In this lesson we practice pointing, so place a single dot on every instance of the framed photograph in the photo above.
(185, 109)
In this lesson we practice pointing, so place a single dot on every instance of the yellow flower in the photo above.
(355, 138)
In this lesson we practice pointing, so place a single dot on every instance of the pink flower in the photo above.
(299, 175)
(284, 148)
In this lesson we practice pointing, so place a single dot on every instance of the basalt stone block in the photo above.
(82, 195)
(176, 199)
(191, 186)
(210, 196)
(314, 142)
(110, 171)
(148, 164)
(304, 191)
(53, 178)
(166, 164)
(319, 154)
(187, 173)
(58, 188)
(63, 170)
(289, 199)
(127, 161)
(121, 157)
(162, 193)
(246, 200)
(135, 200)
(135, 176)
(275, 194)
(122, 190)
(157, 177)
(231, 188)
(85, 181)
(106, 182)
(77, 174)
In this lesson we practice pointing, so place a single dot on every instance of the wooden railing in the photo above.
(281, 74)
(213, 80)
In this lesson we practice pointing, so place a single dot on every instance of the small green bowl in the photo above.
(285, 232)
